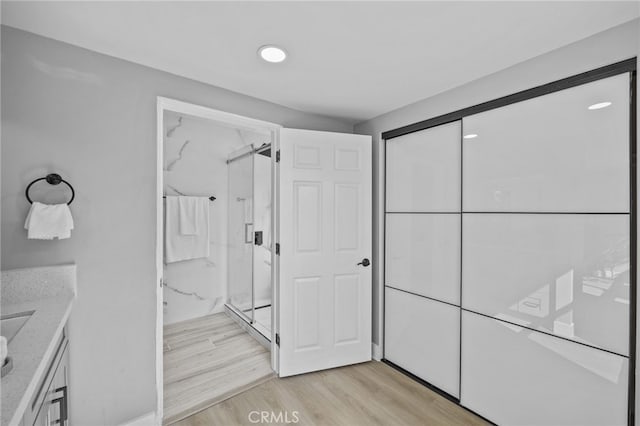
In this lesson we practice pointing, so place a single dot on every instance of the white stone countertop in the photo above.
(50, 292)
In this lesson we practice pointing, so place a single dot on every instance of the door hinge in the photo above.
(277, 248)
(277, 156)
(277, 339)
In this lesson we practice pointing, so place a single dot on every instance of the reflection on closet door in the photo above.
(551, 153)
(565, 274)
(423, 254)
(423, 337)
(423, 170)
(516, 376)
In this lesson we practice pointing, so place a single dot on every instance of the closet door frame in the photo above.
(626, 66)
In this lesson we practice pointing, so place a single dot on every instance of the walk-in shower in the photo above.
(249, 236)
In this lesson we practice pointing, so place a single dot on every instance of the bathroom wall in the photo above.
(195, 154)
(616, 44)
(92, 118)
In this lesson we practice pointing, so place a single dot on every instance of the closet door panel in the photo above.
(423, 254)
(551, 153)
(516, 376)
(422, 336)
(423, 170)
(564, 274)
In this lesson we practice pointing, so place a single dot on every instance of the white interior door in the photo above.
(325, 250)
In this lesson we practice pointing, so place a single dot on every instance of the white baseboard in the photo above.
(148, 419)
(376, 351)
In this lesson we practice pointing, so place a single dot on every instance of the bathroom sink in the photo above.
(11, 324)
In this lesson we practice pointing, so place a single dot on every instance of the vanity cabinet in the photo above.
(50, 404)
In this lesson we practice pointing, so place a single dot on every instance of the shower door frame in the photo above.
(163, 105)
(237, 309)
(251, 153)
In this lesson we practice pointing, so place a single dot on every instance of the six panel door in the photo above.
(325, 235)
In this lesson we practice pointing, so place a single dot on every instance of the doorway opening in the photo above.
(225, 265)
(215, 256)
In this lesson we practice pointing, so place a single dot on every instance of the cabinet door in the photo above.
(54, 409)
(45, 417)
(59, 391)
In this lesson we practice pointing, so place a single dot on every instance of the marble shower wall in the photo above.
(195, 154)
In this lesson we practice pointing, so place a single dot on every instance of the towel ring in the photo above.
(52, 179)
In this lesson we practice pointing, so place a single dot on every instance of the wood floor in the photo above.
(364, 394)
(207, 360)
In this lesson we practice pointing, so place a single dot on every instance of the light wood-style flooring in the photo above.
(365, 394)
(207, 360)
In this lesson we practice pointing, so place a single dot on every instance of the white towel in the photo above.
(48, 221)
(188, 209)
(179, 247)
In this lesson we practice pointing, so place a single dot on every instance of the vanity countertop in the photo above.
(49, 292)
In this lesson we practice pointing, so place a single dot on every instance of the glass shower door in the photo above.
(240, 233)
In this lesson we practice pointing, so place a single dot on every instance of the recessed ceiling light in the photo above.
(470, 136)
(272, 53)
(599, 105)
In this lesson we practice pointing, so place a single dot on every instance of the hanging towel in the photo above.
(179, 247)
(188, 209)
(48, 221)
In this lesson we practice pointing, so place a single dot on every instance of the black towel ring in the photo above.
(52, 179)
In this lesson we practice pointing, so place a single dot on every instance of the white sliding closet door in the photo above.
(546, 265)
(551, 153)
(516, 376)
(566, 275)
(422, 255)
(508, 266)
(422, 336)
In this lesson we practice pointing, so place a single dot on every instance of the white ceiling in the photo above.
(353, 60)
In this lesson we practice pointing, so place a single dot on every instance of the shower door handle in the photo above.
(248, 236)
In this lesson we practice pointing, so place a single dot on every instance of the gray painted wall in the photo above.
(92, 118)
(602, 49)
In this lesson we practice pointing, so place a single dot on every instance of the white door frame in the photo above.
(173, 105)
(378, 245)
